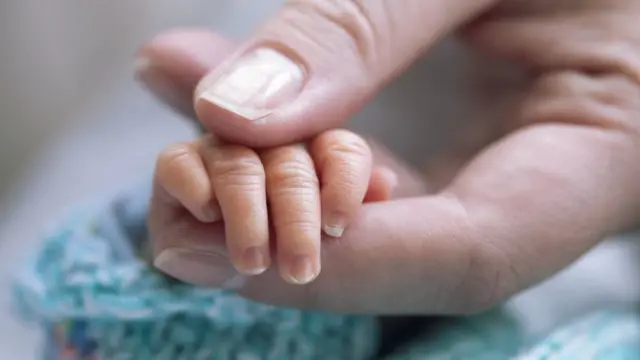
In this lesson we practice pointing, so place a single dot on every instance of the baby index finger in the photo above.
(238, 178)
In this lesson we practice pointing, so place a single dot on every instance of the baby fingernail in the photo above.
(302, 270)
(211, 213)
(255, 260)
(333, 231)
(334, 225)
(197, 268)
(255, 85)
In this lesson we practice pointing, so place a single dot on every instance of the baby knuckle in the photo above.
(229, 153)
(174, 158)
(246, 171)
(303, 223)
(293, 174)
(347, 144)
(345, 193)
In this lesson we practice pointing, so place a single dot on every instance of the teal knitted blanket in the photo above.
(97, 299)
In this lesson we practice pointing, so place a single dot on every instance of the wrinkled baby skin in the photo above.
(274, 201)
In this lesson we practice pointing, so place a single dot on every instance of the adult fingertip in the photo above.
(282, 87)
(236, 101)
(171, 64)
(187, 51)
(316, 63)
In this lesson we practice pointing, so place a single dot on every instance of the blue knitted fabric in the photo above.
(99, 300)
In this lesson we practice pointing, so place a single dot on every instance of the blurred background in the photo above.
(75, 125)
(60, 58)
(73, 122)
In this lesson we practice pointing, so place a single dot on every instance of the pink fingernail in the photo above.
(301, 270)
(334, 224)
(255, 85)
(211, 213)
(335, 231)
(255, 260)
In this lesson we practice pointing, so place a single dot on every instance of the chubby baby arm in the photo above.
(274, 201)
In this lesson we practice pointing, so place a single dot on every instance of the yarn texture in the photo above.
(98, 299)
(92, 292)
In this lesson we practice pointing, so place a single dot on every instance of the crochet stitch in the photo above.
(99, 300)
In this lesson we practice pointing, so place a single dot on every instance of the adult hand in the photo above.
(564, 174)
(311, 66)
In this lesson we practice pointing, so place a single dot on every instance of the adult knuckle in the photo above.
(620, 53)
(351, 19)
(603, 89)
(610, 101)
(618, 101)
(613, 44)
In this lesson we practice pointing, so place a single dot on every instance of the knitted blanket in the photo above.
(89, 288)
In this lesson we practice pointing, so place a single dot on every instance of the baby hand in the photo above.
(295, 192)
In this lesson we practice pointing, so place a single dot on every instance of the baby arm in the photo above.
(277, 200)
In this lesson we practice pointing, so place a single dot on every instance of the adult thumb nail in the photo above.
(315, 63)
(255, 84)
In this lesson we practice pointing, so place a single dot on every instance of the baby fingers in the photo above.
(344, 162)
(294, 201)
(182, 175)
(238, 177)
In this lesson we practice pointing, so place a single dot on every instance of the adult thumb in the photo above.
(317, 62)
